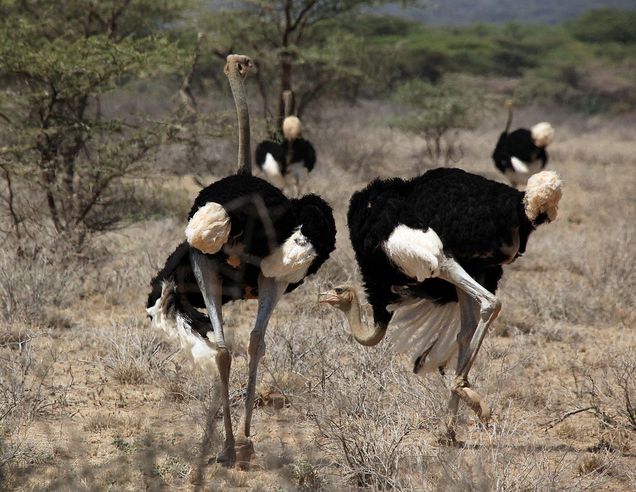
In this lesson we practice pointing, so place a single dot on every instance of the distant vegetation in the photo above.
(588, 64)
(466, 12)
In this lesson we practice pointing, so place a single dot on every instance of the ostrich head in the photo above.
(541, 199)
(542, 134)
(341, 297)
(291, 128)
(240, 64)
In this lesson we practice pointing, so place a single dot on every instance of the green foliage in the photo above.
(605, 26)
(304, 45)
(60, 154)
(550, 64)
(435, 108)
(436, 113)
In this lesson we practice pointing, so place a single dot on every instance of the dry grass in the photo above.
(91, 399)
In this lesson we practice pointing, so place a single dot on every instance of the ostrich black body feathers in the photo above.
(262, 218)
(519, 144)
(302, 151)
(475, 218)
(275, 149)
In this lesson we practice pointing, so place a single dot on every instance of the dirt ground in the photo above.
(92, 399)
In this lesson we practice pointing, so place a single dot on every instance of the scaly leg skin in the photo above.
(470, 295)
(270, 292)
(227, 457)
(211, 288)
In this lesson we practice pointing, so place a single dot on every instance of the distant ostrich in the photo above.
(522, 153)
(245, 240)
(431, 251)
(292, 159)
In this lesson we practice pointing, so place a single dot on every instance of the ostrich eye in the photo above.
(339, 290)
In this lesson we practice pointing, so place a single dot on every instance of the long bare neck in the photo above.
(363, 334)
(509, 120)
(243, 115)
(288, 103)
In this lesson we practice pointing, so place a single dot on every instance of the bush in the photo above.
(436, 113)
(605, 26)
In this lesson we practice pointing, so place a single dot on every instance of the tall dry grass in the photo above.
(90, 398)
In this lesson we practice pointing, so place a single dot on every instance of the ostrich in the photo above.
(292, 159)
(244, 240)
(431, 251)
(522, 153)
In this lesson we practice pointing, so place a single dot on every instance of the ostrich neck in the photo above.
(242, 112)
(288, 103)
(363, 334)
(509, 120)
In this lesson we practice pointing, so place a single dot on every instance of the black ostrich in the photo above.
(431, 251)
(522, 153)
(290, 161)
(245, 240)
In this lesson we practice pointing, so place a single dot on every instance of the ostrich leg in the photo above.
(211, 288)
(470, 295)
(269, 293)
(469, 310)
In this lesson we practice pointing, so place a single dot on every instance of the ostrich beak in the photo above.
(329, 297)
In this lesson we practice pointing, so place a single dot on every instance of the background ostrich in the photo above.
(431, 251)
(290, 161)
(522, 153)
(245, 239)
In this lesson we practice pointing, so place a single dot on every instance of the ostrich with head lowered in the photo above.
(522, 153)
(244, 240)
(290, 161)
(431, 251)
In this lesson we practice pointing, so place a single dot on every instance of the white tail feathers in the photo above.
(542, 195)
(542, 134)
(291, 127)
(271, 168)
(209, 228)
(176, 328)
(427, 332)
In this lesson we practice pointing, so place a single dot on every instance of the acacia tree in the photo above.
(64, 162)
(437, 113)
(299, 45)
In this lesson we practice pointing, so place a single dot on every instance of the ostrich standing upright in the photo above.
(245, 240)
(292, 159)
(522, 153)
(431, 251)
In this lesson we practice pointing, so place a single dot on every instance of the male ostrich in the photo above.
(431, 251)
(292, 159)
(522, 153)
(245, 240)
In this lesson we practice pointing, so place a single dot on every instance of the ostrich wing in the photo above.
(291, 260)
(426, 331)
(415, 252)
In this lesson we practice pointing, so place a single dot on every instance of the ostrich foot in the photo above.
(227, 457)
(448, 437)
(244, 453)
(476, 403)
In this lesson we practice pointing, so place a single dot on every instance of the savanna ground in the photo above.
(91, 398)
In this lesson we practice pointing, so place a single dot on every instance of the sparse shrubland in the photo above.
(332, 415)
(90, 397)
